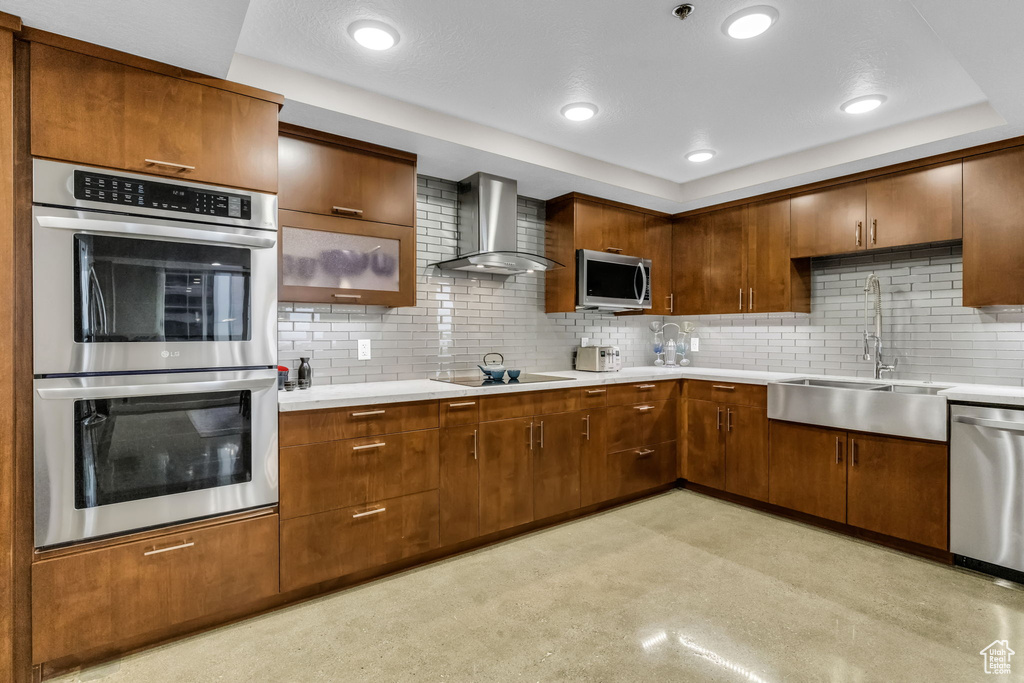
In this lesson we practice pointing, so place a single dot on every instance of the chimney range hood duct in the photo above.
(488, 229)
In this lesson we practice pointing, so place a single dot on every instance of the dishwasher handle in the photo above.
(992, 424)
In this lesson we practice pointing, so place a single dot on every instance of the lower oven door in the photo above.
(117, 454)
(113, 292)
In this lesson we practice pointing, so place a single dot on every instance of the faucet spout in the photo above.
(873, 295)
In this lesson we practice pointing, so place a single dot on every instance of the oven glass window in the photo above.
(614, 280)
(136, 290)
(144, 447)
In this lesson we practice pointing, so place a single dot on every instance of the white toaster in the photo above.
(598, 359)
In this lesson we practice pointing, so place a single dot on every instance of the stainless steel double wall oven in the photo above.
(154, 325)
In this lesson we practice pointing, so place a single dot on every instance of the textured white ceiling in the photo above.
(193, 34)
(663, 86)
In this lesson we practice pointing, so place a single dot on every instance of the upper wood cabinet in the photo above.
(579, 222)
(899, 209)
(94, 111)
(737, 260)
(993, 234)
(335, 176)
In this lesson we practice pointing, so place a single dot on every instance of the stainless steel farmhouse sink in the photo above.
(911, 410)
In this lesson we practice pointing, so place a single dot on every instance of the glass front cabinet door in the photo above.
(326, 259)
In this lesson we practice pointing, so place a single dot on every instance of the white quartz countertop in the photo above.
(371, 393)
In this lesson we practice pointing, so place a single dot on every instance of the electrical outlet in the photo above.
(695, 344)
(585, 341)
(364, 349)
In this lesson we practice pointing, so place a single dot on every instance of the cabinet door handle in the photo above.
(874, 229)
(170, 164)
(596, 391)
(741, 298)
(643, 408)
(531, 435)
(347, 296)
(368, 513)
(646, 386)
(728, 420)
(860, 226)
(672, 302)
(367, 413)
(476, 443)
(839, 450)
(853, 452)
(614, 250)
(586, 420)
(644, 452)
(542, 433)
(724, 387)
(369, 446)
(180, 546)
(464, 404)
(750, 299)
(343, 209)
(719, 425)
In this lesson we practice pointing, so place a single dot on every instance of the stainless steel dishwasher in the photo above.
(986, 490)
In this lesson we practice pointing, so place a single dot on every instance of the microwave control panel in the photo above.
(112, 189)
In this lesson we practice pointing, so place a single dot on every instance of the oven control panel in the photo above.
(112, 189)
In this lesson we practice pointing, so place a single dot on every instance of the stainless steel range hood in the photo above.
(488, 230)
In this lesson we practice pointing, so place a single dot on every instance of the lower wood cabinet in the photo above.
(593, 456)
(639, 469)
(556, 463)
(325, 546)
(506, 474)
(102, 597)
(892, 486)
(460, 484)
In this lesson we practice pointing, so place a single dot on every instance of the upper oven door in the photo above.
(613, 282)
(120, 453)
(114, 293)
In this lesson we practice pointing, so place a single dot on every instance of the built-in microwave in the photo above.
(135, 273)
(612, 282)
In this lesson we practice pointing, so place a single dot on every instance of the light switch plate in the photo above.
(364, 349)
(585, 341)
(695, 344)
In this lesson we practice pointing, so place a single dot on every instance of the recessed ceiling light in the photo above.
(701, 155)
(862, 105)
(373, 35)
(750, 22)
(579, 111)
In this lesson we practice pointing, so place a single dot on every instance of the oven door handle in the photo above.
(177, 231)
(130, 390)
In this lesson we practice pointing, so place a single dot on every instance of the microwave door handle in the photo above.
(130, 390)
(643, 283)
(174, 231)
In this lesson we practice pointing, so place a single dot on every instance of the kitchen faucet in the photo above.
(872, 286)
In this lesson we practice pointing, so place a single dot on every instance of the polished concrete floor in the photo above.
(679, 587)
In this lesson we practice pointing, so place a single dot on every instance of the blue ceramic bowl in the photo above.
(514, 374)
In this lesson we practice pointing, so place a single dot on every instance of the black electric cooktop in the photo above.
(481, 382)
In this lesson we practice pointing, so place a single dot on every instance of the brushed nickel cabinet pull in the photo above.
(586, 419)
(644, 453)
(476, 443)
(342, 209)
(614, 250)
(379, 444)
(750, 299)
(741, 298)
(347, 296)
(542, 433)
(719, 425)
(465, 404)
(839, 457)
(860, 226)
(157, 551)
(596, 391)
(368, 513)
(646, 386)
(725, 387)
(853, 452)
(367, 413)
(643, 408)
(728, 420)
(170, 164)
(531, 435)
(874, 230)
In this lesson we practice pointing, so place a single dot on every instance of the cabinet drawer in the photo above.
(727, 392)
(619, 394)
(337, 474)
(528, 403)
(641, 424)
(101, 597)
(639, 469)
(593, 397)
(332, 424)
(325, 546)
(460, 411)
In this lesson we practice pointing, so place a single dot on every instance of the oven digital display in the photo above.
(111, 189)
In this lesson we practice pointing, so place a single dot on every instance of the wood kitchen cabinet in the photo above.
(324, 259)
(593, 456)
(335, 176)
(727, 442)
(899, 487)
(737, 260)
(808, 470)
(829, 221)
(100, 112)
(506, 473)
(576, 221)
(460, 484)
(556, 463)
(993, 238)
